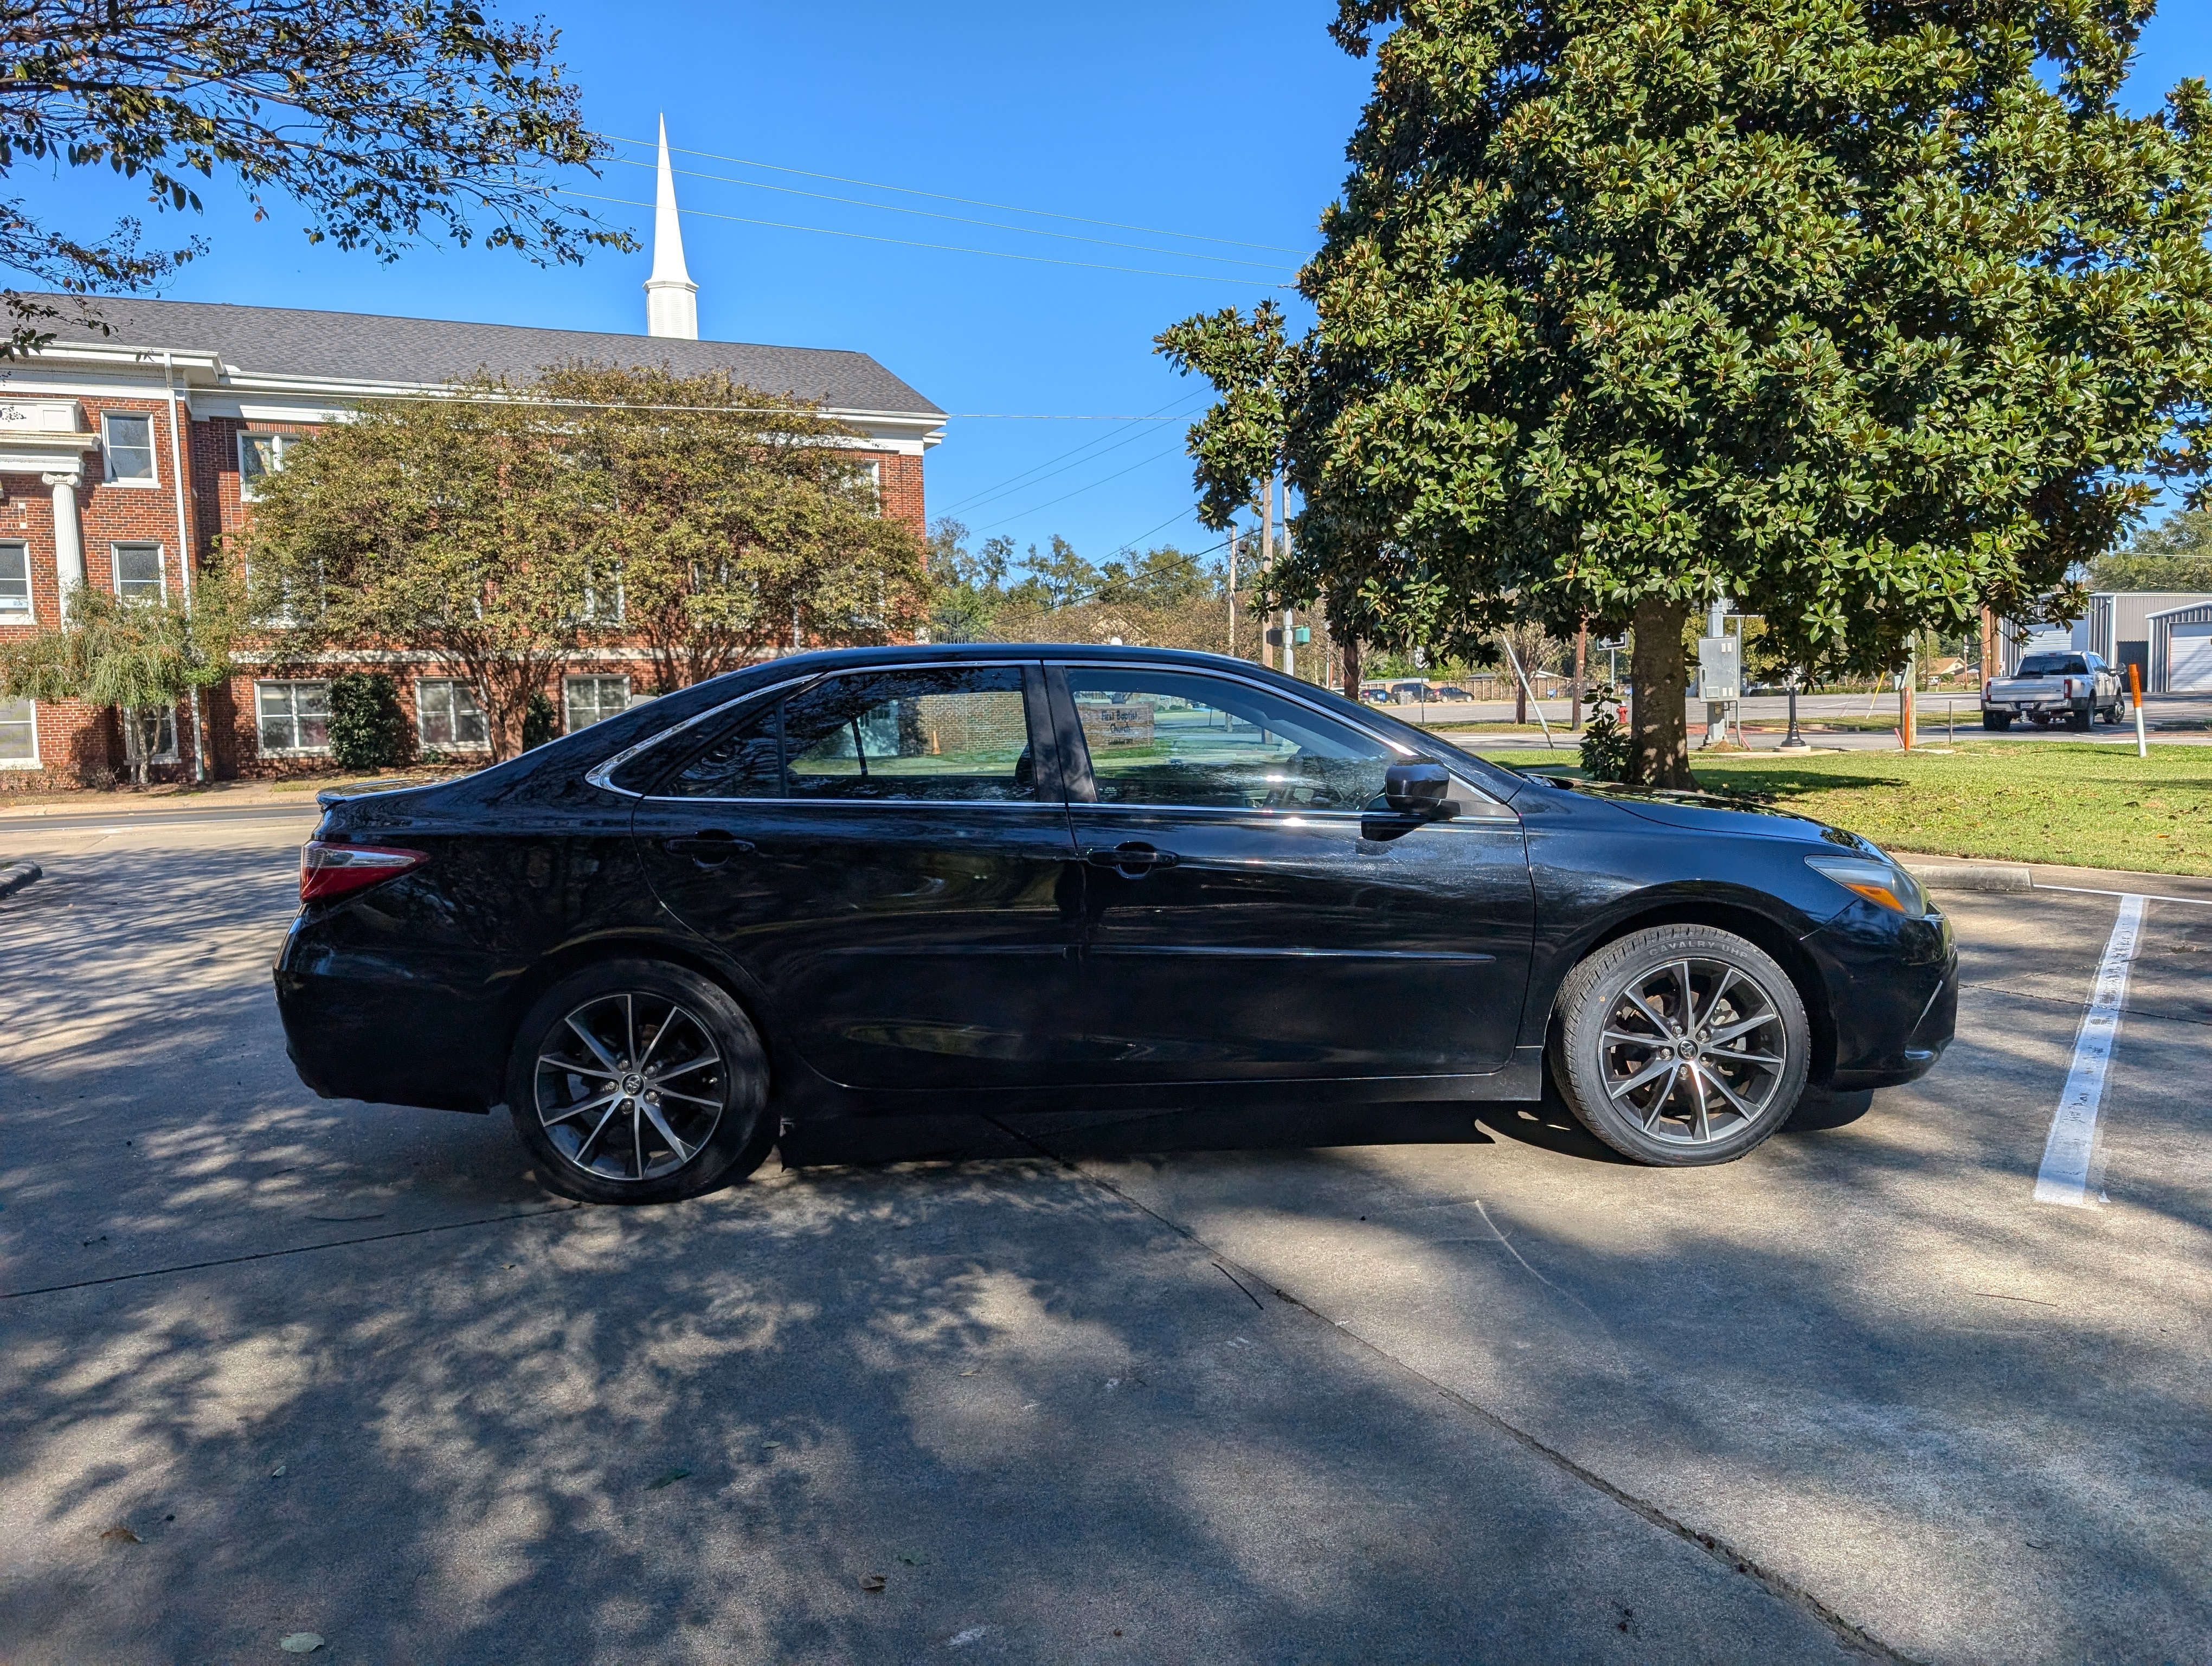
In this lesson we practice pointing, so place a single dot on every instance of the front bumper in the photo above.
(1893, 990)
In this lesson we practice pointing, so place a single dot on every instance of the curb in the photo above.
(14, 876)
(1973, 876)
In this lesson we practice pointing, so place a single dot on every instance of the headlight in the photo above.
(1879, 882)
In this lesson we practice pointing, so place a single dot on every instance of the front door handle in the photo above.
(710, 847)
(1135, 860)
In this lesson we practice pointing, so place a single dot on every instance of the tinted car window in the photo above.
(2051, 665)
(1178, 738)
(959, 734)
(745, 761)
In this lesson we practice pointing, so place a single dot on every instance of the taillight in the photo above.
(332, 870)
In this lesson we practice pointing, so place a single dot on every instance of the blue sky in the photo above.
(1222, 120)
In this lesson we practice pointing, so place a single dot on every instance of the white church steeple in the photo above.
(671, 299)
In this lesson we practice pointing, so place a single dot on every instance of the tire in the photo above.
(675, 1131)
(1998, 720)
(2078, 719)
(1612, 1083)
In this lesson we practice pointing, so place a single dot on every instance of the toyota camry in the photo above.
(836, 888)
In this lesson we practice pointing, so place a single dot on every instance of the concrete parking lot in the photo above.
(1422, 1386)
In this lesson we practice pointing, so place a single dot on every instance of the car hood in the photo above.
(1706, 812)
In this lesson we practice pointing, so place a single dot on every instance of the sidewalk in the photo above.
(222, 795)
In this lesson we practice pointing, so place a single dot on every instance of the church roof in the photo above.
(364, 347)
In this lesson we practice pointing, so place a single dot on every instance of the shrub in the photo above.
(1605, 740)
(538, 725)
(368, 731)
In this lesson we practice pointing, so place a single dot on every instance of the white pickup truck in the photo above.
(2077, 686)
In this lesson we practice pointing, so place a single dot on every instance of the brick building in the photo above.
(124, 456)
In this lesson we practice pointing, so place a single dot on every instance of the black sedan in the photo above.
(841, 887)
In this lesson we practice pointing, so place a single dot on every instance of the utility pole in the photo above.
(1266, 553)
(1232, 590)
(1582, 670)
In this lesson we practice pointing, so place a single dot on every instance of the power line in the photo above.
(950, 248)
(989, 494)
(1036, 507)
(969, 202)
(966, 219)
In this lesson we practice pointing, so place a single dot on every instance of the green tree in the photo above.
(383, 123)
(461, 528)
(726, 520)
(140, 657)
(2174, 555)
(1863, 315)
(1165, 577)
(1061, 578)
(1240, 445)
(967, 587)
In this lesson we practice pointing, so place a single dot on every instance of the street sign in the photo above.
(1720, 668)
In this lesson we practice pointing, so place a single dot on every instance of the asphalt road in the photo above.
(1128, 1391)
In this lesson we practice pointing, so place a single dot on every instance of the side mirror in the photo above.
(1416, 788)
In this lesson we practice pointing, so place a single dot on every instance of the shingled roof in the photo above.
(355, 347)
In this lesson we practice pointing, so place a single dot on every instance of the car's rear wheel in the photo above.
(633, 1081)
(1996, 719)
(2078, 719)
(1681, 1045)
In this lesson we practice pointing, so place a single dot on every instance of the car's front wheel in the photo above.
(1681, 1045)
(633, 1081)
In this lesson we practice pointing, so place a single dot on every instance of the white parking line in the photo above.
(2064, 1177)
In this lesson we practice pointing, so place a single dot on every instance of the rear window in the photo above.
(2052, 665)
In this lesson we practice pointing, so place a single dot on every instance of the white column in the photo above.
(68, 540)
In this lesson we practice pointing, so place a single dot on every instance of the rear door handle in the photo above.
(1131, 859)
(709, 848)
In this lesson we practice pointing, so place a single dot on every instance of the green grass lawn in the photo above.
(2044, 801)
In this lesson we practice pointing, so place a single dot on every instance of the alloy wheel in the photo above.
(1693, 1051)
(629, 1086)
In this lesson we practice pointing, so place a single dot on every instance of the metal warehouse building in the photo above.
(2180, 642)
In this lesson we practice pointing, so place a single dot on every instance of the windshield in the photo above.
(2051, 665)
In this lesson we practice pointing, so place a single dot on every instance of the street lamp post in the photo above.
(1794, 742)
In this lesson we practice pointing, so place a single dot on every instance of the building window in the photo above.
(15, 582)
(872, 472)
(19, 734)
(603, 603)
(150, 734)
(294, 717)
(589, 699)
(259, 454)
(129, 447)
(137, 571)
(446, 714)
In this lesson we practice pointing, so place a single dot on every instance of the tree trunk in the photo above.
(1660, 751)
(1350, 648)
(1521, 697)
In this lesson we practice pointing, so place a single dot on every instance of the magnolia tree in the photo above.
(1864, 316)
(500, 530)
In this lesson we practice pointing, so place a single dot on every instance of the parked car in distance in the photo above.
(1448, 691)
(807, 900)
(2075, 685)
